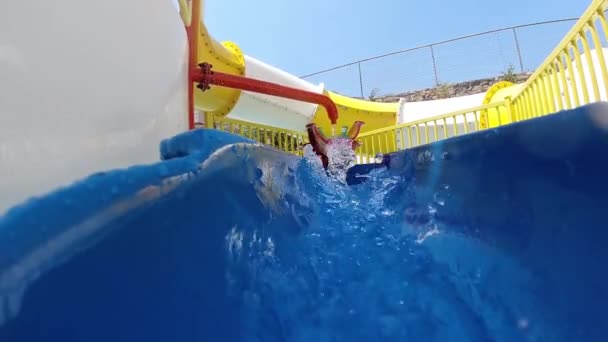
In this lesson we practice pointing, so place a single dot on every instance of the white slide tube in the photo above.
(272, 110)
(86, 86)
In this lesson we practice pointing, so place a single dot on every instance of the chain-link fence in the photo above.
(488, 54)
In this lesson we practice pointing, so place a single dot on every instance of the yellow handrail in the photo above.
(573, 74)
(282, 139)
(424, 131)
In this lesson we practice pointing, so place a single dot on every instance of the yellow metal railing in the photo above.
(282, 139)
(411, 134)
(575, 72)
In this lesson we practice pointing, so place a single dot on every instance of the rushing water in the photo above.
(244, 243)
(367, 266)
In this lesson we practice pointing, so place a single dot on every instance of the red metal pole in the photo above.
(192, 32)
(190, 81)
(205, 77)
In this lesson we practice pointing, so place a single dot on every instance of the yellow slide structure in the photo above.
(220, 102)
(376, 115)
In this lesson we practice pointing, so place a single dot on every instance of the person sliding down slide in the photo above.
(320, 143)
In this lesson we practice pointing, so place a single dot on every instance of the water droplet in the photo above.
(523, 323)
(379, 158)
(438, 198)
(387, 212)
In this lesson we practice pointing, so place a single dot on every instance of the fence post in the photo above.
(360, 81)
(434, 65)
(209, 122)
(521, 61)
(510, 109)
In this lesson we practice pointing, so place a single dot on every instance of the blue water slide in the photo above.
(498, 235)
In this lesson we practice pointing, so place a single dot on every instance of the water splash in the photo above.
(310, 258)
(312, 157)
(341, 157)
(361, 262)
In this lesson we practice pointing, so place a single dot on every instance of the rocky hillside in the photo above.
(447, 90)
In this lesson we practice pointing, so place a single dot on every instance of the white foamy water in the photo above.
(341, 158)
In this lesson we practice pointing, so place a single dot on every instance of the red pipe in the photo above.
(205, 77)
(190, 81)
(192, 32)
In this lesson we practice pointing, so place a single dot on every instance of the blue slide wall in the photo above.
(494, 236)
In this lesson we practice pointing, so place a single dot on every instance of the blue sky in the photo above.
(302, 37)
